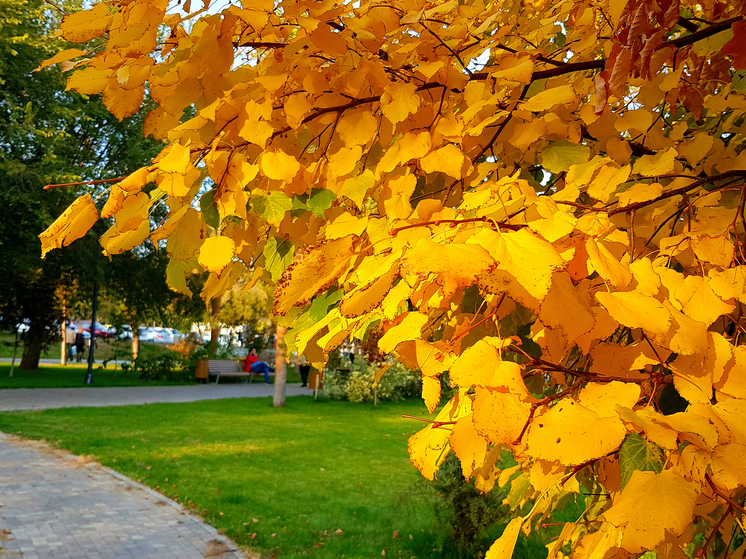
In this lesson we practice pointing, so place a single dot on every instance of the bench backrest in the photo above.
(223, 365)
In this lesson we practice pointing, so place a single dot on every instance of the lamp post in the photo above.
(89, 374)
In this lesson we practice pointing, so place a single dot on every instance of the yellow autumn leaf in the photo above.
(431, 392)
(729, 283)
(357, 128)
(367, 297)
(514, 68)
(187, 237)
(314, 269)
(409, 328)
(176, 159)
(649, 506)
(500, 416)
(89, 81)
(563, 307)
(571, 434)
(481, 365)
(216, 285)
(278, 165)
(133, 211)
(545, 100)
(136, 181)
(468, 445)
(344, 161)
(602, 398)
(355, 188)
(117, 241)
(67, 54)
(607, 266)
(399, 100)
(216, 253)
(525, 263)
(397, 206)
(505, 545)
(656, 165)
(635, 310)
(425, 356)
(640, 192)
(176, 276)
(698, 301)
(429, 447)
(83, 26)
(70, 226)
(455, 266)
(123, 102)
(448, 159)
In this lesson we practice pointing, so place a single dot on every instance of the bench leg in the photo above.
(217, 378)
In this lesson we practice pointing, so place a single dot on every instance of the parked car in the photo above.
(100, 329)
(124, 332)
(149, 334)
(165, 335)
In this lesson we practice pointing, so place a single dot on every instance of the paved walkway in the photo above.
(53, 505)
(48, 398)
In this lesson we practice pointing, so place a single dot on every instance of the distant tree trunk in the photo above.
(32, 347)
(15, 351)
(135, 341)
(280, 368)
(215, 305)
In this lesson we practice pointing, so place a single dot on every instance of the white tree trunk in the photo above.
(281, 368)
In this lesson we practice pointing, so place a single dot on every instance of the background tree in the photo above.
(48, 136)
(545, 199)
(136, 289)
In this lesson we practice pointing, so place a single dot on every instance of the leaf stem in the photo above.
(47, 187)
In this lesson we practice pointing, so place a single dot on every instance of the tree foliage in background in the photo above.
(48, 136)
(545, 199)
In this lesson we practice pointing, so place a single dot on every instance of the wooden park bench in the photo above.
(227, 368)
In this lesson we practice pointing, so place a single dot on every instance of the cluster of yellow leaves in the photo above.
(544, 200)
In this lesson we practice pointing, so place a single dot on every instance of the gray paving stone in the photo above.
(54, 506)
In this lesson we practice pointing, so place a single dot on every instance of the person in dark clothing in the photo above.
(79, 345)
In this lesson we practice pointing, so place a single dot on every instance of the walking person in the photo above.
(79, 345)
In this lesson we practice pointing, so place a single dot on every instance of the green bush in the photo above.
(356, 384)
(161, 367)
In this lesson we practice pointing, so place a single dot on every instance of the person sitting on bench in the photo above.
(255, 366)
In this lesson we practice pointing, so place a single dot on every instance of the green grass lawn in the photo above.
(71, 376)
(321, 478)
(318, 478)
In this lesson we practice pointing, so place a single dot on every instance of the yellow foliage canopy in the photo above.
(544, 200)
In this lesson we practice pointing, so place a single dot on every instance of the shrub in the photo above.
(356, 384)
(161, 367)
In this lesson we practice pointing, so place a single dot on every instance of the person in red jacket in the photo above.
(253, 365)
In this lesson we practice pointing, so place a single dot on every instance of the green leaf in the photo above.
(560, 156)
(320, 201)
(300, 202)
(278, 254)
(637, 454)
(320, 305)
(272, 207)
(210, 209)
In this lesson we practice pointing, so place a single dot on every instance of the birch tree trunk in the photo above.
(281, 368)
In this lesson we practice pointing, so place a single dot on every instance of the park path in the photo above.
(17, 399)
(54, 505)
